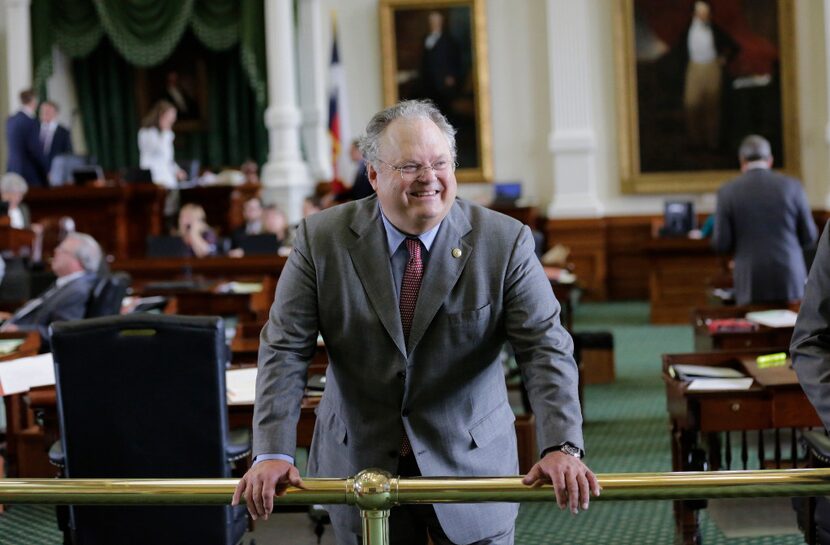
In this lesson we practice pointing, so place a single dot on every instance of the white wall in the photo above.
(519, 92)
(4, 94)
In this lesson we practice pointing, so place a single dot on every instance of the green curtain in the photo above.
(145, 32)
(104, 81)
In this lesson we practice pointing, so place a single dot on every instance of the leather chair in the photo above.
(106, 296)
(143, 396)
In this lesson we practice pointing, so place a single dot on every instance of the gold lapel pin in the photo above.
(456, 252)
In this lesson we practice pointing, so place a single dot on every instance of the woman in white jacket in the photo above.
(155, 145)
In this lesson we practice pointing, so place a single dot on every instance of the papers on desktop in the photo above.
(719, 384)
(240, 287)
(690, 371)
(7, 346)
(240, 385)
(21, 375)
(773, 318)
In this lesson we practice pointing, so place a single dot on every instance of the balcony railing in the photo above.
(374, 492)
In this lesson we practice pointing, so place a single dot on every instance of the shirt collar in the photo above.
(760, 164)
(64, 280)
(394, 237)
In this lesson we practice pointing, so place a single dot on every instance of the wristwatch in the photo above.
(568, 449)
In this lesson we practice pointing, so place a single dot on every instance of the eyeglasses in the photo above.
(412, 171)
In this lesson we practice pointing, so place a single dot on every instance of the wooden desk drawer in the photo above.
(791, 409)
(734, 413)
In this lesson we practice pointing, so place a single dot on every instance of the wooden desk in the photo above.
(208, 298)
(703, 423)
(18, 416)
(207, 267)
(118, 217)
(769, 337)
(17, 241)
(681, 271)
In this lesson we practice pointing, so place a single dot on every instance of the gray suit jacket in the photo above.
(763, 217)
(446, 390)
(66, 303)
(810, 347)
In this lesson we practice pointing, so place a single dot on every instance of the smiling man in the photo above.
(415, 292)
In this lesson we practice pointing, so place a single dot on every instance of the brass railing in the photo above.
(374, 492)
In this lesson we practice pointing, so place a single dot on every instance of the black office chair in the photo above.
(143, 396)
(107, 294)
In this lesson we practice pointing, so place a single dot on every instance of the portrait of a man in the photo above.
(438, 52)
(708, 73)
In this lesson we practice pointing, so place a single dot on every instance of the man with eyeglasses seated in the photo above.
(76, 262)
(415, 292)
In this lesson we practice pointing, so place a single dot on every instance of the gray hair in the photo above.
(369, 143)
(88, 251)
(11, 182)
(754, 148)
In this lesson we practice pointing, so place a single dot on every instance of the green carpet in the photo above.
(626, 430)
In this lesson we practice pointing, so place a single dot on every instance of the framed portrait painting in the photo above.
(180, 80)
(693, 79)
(437, 50)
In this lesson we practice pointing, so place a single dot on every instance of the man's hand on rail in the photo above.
(572, 481)
(259, 485)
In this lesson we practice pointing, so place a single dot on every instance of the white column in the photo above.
(313, 90)
(285, 177)
(572, 140)
(18, 50)
(827, 75)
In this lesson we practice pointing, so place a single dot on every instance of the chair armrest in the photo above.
(239, 444)
(818, 445)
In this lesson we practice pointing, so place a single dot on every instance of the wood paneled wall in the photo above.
(609, 254)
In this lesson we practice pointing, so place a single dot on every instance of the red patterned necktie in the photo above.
(410, 286)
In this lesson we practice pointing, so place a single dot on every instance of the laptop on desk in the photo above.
(266, 244)
(166, 246)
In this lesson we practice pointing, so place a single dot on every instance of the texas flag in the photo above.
(338, 115)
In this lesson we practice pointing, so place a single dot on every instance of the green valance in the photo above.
(145, 32)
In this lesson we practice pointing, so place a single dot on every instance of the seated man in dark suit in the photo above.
(75, 263)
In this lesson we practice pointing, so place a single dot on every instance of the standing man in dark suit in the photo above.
(441, 69)
(415, 293)
(23, 137)
(75, 263)
(764, 219)
(54, 137)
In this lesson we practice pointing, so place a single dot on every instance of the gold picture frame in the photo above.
(450, 68)
(666, 145)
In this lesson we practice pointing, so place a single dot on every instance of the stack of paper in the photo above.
(719, 384)
(240, 385)
(21, 375)
(773, 318)
(708, 379)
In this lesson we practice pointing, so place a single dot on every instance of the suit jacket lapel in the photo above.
(442, 272)
(370, 255)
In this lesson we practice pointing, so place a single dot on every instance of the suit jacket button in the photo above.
(405, 412)
(401, 374)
